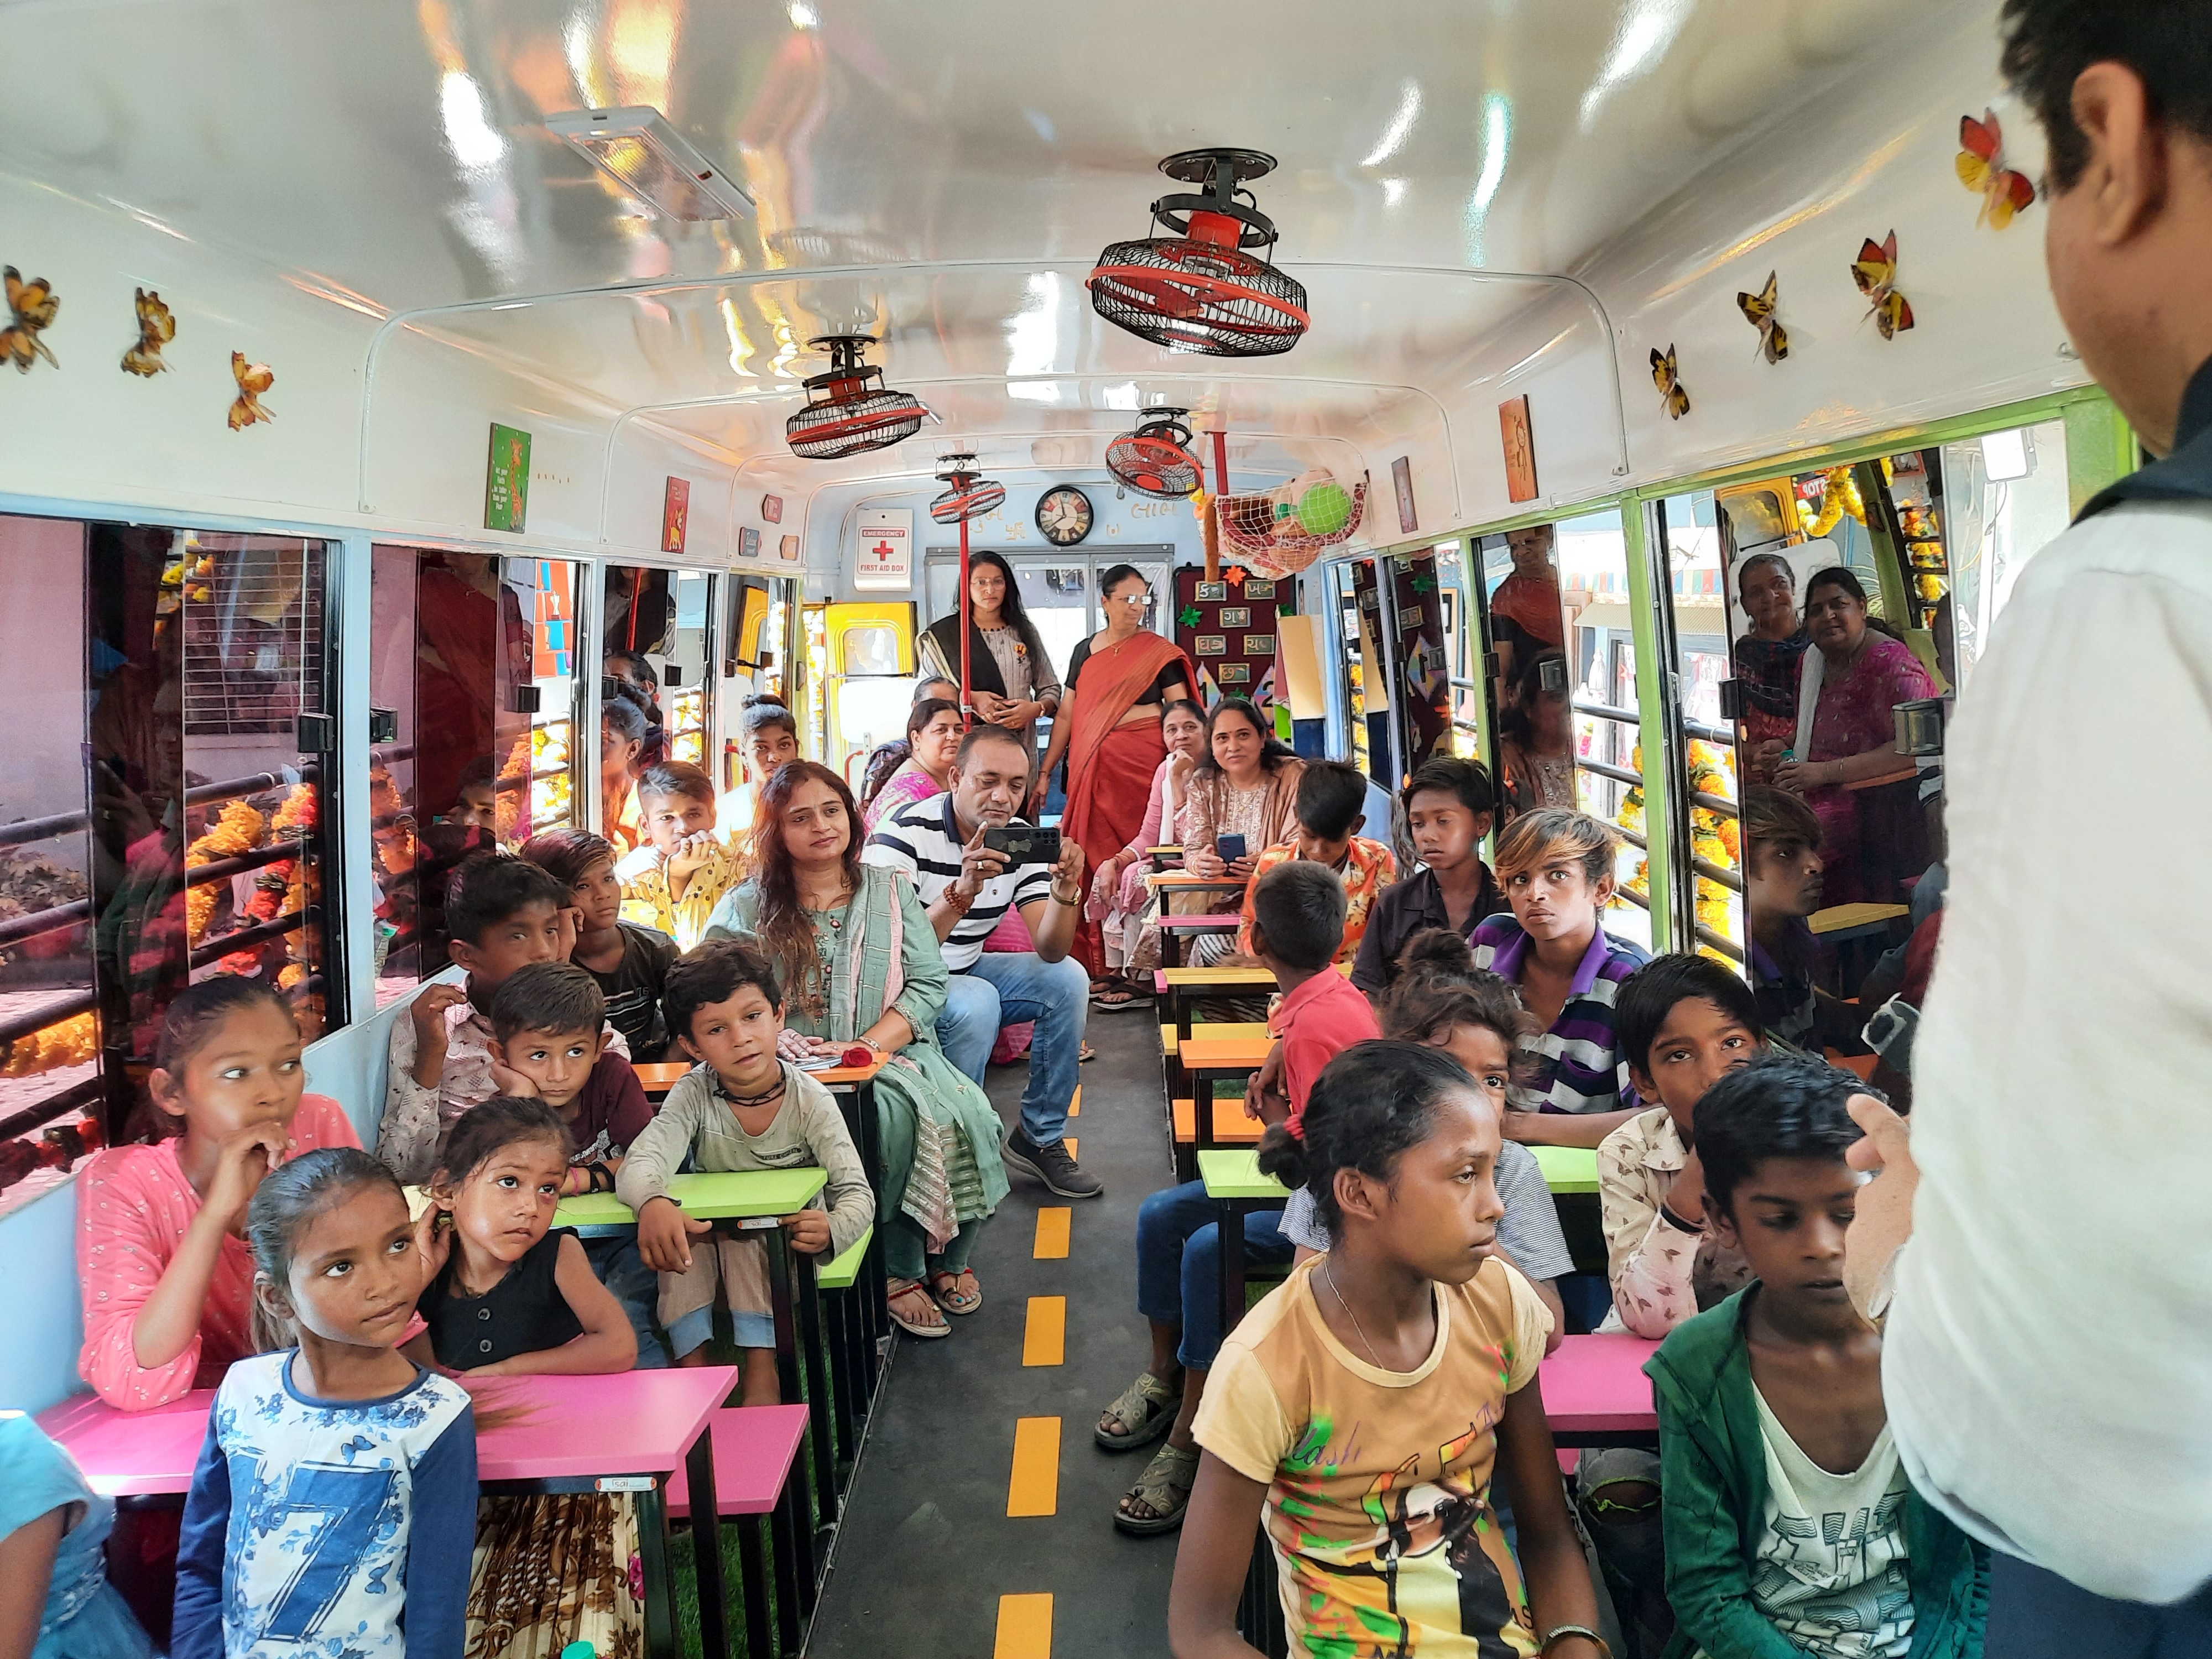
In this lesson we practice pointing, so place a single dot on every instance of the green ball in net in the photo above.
(1325, 509)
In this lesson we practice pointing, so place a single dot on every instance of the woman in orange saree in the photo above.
(1108, 730)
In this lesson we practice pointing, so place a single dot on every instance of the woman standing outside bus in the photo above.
(1108, 730)
(1009, 673)
(1852, 678)
(1769, 658)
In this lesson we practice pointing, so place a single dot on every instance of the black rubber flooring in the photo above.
(926, 1548)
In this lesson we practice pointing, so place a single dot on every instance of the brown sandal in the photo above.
(918, 1323)
(1164, 1488)
(957, 1293)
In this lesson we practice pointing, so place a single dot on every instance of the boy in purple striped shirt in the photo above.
(1556, 867)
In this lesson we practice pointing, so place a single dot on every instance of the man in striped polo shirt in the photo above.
(969, 888)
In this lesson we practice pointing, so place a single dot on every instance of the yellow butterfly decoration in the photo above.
(254, 379)
(32, 305)
(1981, 164)
(156, 328)
(1672, 397)
(1875, 272)
(1758, 311)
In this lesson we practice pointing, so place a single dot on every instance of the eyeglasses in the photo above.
(1143, 597)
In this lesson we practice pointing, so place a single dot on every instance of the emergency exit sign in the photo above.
(883, 561)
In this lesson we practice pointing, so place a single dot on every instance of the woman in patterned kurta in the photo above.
(876, 966)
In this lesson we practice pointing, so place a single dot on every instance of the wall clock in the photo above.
(1063, 515)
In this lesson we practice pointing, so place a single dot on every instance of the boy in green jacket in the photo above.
(1790, 1527)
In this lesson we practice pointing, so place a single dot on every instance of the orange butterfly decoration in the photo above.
(254, 379)
(1875, 272)
(33, 305)
(1982, 167)
(1676, 401)
(156, 328)
(1759, 312)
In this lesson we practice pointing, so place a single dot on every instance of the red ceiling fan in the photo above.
(849, 411)
(969, 495)
(1199, 290)
(1155, 459)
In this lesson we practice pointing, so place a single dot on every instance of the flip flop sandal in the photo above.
(1164, 1489)
(1147, 1406)
(957, 1293)
(910, 1323)
(1088, 1054)
(1111, 1002)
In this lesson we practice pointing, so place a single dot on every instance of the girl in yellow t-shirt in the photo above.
(1361, 1408)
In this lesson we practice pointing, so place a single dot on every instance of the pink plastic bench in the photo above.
(1596, 1392)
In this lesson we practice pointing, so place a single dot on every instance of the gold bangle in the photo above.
(1560, 1632)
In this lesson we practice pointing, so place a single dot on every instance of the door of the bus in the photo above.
(868, 684)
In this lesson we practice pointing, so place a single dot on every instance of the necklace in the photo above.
(750, 1101)
(1374, 1358)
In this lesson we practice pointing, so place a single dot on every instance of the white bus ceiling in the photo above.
(1482, 200)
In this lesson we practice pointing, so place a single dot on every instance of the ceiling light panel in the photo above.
(638, 148)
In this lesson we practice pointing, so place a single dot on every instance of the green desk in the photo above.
(1234, 1184)
(1568, 1169)
(740, 1196)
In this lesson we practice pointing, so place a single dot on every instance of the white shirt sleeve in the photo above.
(2048, 1354)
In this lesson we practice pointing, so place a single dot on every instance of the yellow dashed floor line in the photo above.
(1071, 1147)
(1024, 1628)
(1075, 1102)
(1035, 1487)
(1044, 1339)
(1052, 1232)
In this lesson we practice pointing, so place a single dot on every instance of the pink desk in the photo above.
(630, 1431)
(1596, 1392)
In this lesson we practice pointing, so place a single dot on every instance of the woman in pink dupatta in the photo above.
(1120, 903)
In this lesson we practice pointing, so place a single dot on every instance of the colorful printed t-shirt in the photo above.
(1378, 1482)
(1368, 868)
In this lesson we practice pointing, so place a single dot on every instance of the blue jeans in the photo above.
(1179, 1264)
(2036, 1615)
(636, 1287)
(1007, 989)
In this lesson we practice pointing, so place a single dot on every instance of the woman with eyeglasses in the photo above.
(1011, 680)
(1108, 730)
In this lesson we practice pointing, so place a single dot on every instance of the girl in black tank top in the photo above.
(510, 1294)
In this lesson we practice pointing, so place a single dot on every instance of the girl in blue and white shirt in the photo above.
(334, 1505)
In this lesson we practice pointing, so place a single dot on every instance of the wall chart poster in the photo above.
(506, 479)
(674, 514)
(1519, 443)
(1228, 629)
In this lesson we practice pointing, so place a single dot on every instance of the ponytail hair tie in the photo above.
(1295, 1126)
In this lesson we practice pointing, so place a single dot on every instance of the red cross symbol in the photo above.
(883, 550)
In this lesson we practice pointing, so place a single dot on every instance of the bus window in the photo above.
(2006, 492)
(1360, 639)
(1691, 530)
(1535, 741)
(1462, 619)
(541, 758)
(655, 643)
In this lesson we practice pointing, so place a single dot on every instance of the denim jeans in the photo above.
(1003, 989)
(1179, 1264)
(636, 1287)
(2036, 1615)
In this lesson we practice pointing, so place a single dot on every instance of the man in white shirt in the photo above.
(2048, 1354)
(969, 888)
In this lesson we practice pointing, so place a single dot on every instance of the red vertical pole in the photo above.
(967, 693)
(1220, 462)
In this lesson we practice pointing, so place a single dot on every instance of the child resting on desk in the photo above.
(677, 877)
(743, 1107)
(1791, 1528)
(1361, 1410)
(1298, 923)
(502, 914)
(549, 1042)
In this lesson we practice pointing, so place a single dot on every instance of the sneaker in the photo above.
(1050, 1165)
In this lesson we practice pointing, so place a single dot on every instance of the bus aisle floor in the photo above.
(927, 1550)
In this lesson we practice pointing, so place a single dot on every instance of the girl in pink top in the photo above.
(169, 1282)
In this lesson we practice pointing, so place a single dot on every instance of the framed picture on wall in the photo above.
(1212, 593)
(1212, 645)
(1235, 615)
(748, 542)
(1259, 645)
(1235, 674)
(1259, 588)
(772, 508)
(1520, 449)
(1401, 479)
(789, 549)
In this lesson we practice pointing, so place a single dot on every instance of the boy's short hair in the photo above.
(547, 996)
(1775, 816)
(1782, 1107)
(620, 709)
(489, 887)
(479, 774)
(1332, 795)
(764, 714)
(1451, 774)
(672, 779)
(2048, 43)
(1299, 908)
(1535, 839)
(982, 733)
(714, 972)
(1653, 990)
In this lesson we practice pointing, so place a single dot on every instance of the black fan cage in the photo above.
(1152, 463)
(853, 424)
(970, 499)
(1191, 295)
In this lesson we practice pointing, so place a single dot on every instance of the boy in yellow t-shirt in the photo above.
(676, 878)
(1365, 1404)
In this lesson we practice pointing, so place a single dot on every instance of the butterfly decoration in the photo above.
(1982, 167)
(1671, 395)
(1759, 312)
(33, 305)
(254, 379)
(1875, 272)
(156, 328)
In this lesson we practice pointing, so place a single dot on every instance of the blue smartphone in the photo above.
(1229, 849)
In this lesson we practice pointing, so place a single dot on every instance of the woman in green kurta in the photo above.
(860, 963)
